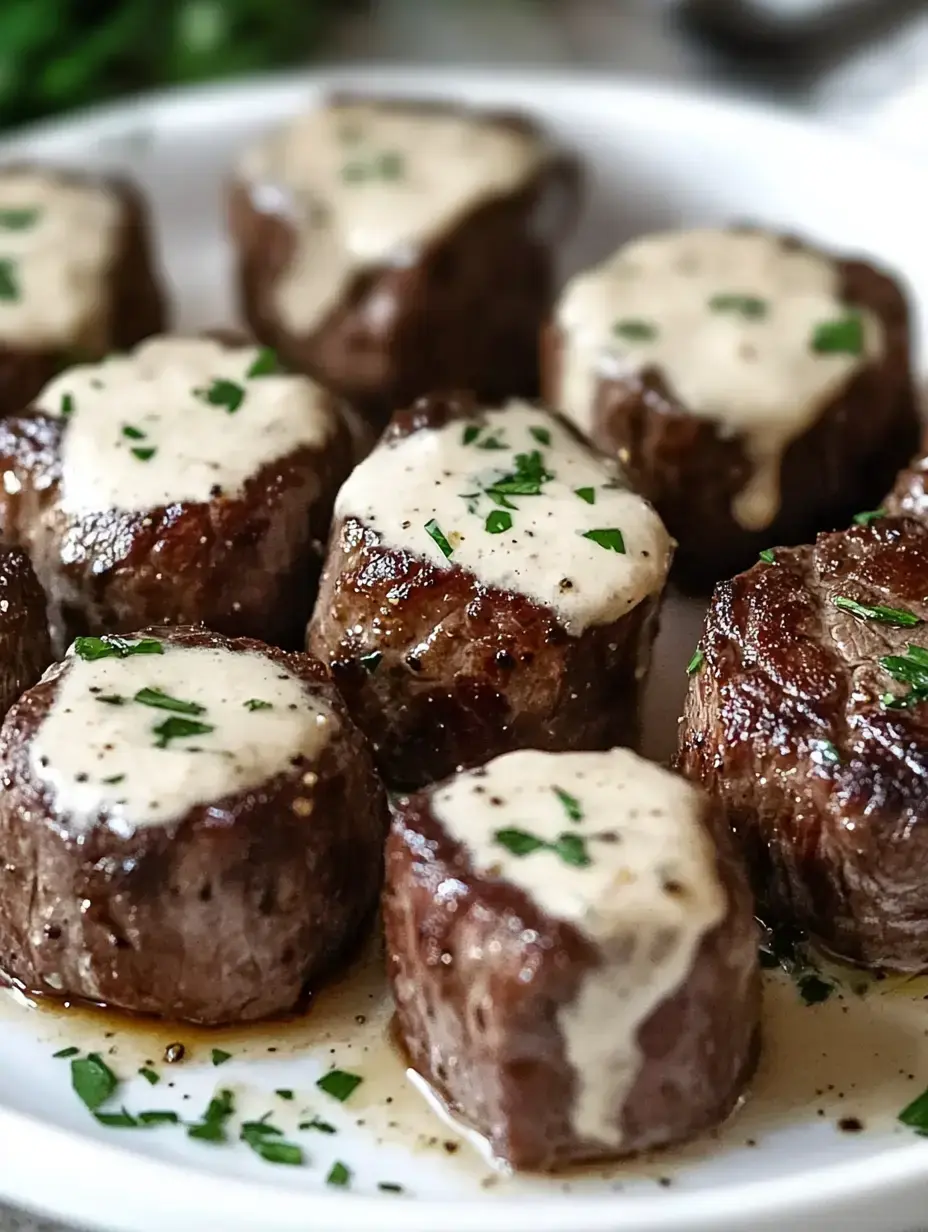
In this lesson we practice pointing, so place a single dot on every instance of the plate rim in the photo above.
(233, 1203)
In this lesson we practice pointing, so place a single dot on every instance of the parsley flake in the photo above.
(915, 1114)
(695, 663)
(150, 1076)
(219, 1056)
(634, 330)
(264, 1140)
(93, 1080)
(389, 1187)
(158, 1118)
(176, 728)
(212, 1126)
(144, 454)
(160, 700)
(844, 336)
(371, 661)
(222, 392)
(265, 363)
(117, 1120)
(498, 521)
(19, 219)
(768, 557)
(255, 703)
(317, 1123)
(751, 307)
(432, 528)
(284, 1093)
(9, 284)
(911, 669)
(339, 1175)
(586, 494)
(492, 442)
(62, 1053)
(470, 434)
(133, 433)
(111, 646)
(339, 1084)
(571, 804)
(570, 847)
(898, 617)
(868, 517)
(66, 409)
(609, 538)
(541, 435)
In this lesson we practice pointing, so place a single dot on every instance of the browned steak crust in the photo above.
(824, 784)
(691, 470)
(231, 913)
(25, 649)
(479, 974)
(489, 282)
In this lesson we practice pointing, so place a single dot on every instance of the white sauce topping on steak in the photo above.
(746, 331)
(179, 419)
(613, 845)
(57, 243)
(367, 184)
(141, 739)
(520, 502)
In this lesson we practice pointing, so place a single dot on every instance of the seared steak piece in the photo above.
(491, 584)
(190, 826)
(757, 390)
(573, 954)
(391, 247)
(25, 649)
(77, 275)
(188, 482)
(807, 723)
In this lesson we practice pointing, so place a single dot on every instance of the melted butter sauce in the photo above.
(852, 1062)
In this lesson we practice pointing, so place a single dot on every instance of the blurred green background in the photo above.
(58, 54)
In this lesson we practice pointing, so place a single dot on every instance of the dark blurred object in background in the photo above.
(57, 54)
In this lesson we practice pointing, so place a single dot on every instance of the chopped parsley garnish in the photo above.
(111, 646)
(870, 515)
(317, 1123)
(389, 1187)
(899, 617)
(525, 480)
(828, 752)
(222, 392)
(339, 1084)
(370, 662)
(634, 330)
(609, 538)
(150, 1076)
(339, 1175)
(911, 669)
(813, 989)
(113, 780)
(93, 1080)
(144, 454)
(132, 433)
(65, 1052)
(263, 1140)
(67, 406)
(158, 1118)
(9, 285)
(492, 442)
(284, 1093)
(160, 700)
(117, 1120)
(255, 703)
(212, 1126)
(571, 804)
(845, 336)
(470, 434)
(541, 435)
(695, 663)
(19, 219)
(432, 528)
(915, 1115)
(768, 557)
(586, 494)
(752, 307)
(498, 521)
(219, 1056)
(176, 728)
(570, 847)
(265, 363)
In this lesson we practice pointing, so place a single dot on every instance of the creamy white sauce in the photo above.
(103, 758)
(372, 183)
(142, 433)
(756, 376)
(433, 477)
(640, 827)
(57, 243)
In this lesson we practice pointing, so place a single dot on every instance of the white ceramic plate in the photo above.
(657, 159)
